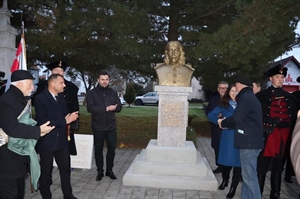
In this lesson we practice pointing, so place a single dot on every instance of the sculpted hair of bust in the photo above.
(174, 54)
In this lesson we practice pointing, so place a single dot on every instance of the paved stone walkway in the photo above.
(85, 186)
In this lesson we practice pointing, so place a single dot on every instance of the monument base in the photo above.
(171, 168)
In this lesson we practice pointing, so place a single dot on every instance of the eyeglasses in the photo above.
(222, 88)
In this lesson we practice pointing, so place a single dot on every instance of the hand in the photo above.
(45, 128)
(220, 122)
(111, 107)
(71, 117)
(298, 114)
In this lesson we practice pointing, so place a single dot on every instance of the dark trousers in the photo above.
(264, 164)
(62, 159)
(236, 175)
(111, 141)
(289, 169)
(12, 188)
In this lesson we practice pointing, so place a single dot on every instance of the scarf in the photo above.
(233, 103)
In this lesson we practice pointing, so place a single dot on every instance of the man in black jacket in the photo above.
(215, 130)
(14, 167)
(103, 102)
(248, 137)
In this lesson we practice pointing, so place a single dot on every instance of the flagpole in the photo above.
(19, 62)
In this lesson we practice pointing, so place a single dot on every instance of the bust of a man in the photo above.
(174, 71)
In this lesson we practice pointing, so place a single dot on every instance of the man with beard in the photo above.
(103, 102)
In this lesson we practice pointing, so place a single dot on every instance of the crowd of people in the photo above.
(252, 130)
(51, 132)
(251, 134)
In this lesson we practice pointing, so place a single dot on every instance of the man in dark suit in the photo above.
(14, 167)
(50, 105)
(70, 95)
(215, 130)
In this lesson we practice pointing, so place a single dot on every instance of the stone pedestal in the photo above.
(7, 40)
(170, 161)
(172, 115)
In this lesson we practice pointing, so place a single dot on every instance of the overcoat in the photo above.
(247, 120)
(70, 94)
(215, 130)
(12, 103)
(228, 155)
(47, 109)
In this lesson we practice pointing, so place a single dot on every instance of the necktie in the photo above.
(56, 98)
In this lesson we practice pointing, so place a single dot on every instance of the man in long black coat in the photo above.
(70, 95)
(14, 167)
(215, 130)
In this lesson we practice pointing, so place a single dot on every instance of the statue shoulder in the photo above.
(188, 66)
(159, 65)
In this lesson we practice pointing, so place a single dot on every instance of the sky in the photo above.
(294, 52)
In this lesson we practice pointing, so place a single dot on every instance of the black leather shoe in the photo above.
(99, 176)
(111, 175)
(217, 170)
(223, 185)
(231, 192)
(288, 179)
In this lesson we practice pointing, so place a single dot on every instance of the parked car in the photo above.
(148, 98)
(123, 102)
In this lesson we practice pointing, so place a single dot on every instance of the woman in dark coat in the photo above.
(228, 155)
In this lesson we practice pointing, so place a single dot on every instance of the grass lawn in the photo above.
(137, 125)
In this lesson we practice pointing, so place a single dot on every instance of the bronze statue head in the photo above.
(174, 54)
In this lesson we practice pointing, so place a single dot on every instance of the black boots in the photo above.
(223, 184)
(275, 186)
(218, 170)
(231, 192)
(261, 181)
(288, 178)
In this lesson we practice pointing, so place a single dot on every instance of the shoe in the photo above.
(111, 175)
(223, 185)
(231, 192)
(99, 176)
(217, 170)
(288, 179)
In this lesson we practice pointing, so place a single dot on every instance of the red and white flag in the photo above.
(20, 60)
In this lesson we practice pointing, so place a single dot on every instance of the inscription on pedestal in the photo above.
(172, 114)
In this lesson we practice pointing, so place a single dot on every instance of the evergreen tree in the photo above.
(129, 96)
(220, 37)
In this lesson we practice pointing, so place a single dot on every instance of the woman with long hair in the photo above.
(228, 155)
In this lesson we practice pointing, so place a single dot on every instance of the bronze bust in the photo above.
(174, 71)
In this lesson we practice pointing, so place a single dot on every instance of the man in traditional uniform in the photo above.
(279, 114)
(70, 94)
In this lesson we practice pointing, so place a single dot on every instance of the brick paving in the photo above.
(85, 186)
